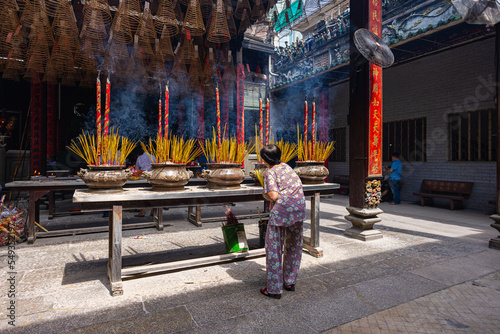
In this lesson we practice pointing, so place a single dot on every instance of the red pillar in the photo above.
(36, 127)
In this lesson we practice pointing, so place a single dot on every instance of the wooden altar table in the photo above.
(133, 198)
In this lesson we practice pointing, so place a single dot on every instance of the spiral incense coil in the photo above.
(31, 8)
(179, 73)
(38, 53)
(179, 14)
(240, 9)
(9, 32)
(244, 24)
(206, 8)
(15, 60)
(156, 67)
(121, 28)
(50, 75)
(41, 25)
(146, 33)
(166, 46)
(51, 6)
(93, 26)
(165, 21)
(64, 23)
(62, 56)
(193, 21)
(101, 7)
(132, 13)
(233, 32)
(208, 76)
(187, 54)
(219, 31)
(195, 72)
(257, 11)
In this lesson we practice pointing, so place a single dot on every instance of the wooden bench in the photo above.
(343, 180)
(452, 190)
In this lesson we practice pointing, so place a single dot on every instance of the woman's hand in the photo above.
(271, 196)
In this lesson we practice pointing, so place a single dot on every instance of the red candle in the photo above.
(106, 114)
(261, 124)
(159, 118)
(218, 117)
(166, 111)
(98, 120)
(313, 125)
(305, 122)
(267, 122)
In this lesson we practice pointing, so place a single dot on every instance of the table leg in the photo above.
(194, 218)
(312, 244)
(115, 251)
(52, 205)
(158, 218)
(34, 213)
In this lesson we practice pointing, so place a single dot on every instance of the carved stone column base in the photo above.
(362, 220)
(495, 242)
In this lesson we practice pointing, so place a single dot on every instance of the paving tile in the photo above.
(403, 288)
(454, 271)
(328, 309)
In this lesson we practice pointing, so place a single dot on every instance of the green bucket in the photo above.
(235, 238)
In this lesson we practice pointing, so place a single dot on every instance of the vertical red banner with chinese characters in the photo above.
(51, 122)
(36, 128)
(240, 108)
(375, 116)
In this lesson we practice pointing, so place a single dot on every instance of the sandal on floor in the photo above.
(290, 287)
(270, 295)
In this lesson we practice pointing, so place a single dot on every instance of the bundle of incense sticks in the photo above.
(114, 152)
(229, 151)
(171, 150)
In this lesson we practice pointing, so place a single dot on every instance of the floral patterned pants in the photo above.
(286, 243)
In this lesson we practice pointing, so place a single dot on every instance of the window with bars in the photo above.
(339, 137)
(252, 93)
(472, 136)
(406, 137)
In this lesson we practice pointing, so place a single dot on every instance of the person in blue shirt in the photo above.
(395, 177)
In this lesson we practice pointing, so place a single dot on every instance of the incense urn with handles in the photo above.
(311, 172)
(168, 176)
(223, 176)
(105, 178)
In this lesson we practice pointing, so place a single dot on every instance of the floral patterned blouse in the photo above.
(291, 204)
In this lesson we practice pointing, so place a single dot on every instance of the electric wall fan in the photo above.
(373, 48)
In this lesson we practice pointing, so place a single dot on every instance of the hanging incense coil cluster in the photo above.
(42, 39)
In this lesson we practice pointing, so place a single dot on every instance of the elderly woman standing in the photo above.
(283, 189)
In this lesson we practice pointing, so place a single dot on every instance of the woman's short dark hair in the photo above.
(271, 154)
(395, 155)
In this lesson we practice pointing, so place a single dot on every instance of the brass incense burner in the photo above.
(168, 176)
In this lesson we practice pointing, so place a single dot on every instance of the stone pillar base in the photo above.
(362, 220)
(367, 235)
(495, 242)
